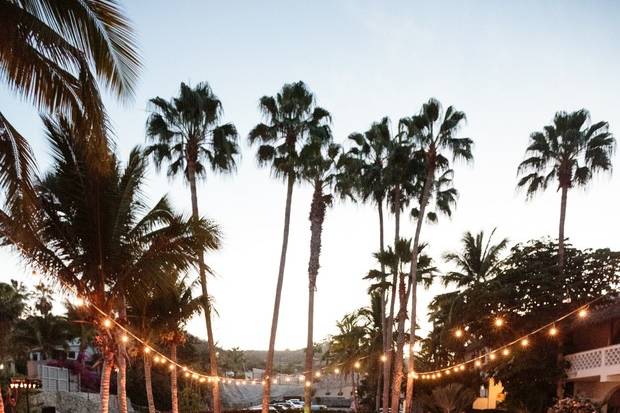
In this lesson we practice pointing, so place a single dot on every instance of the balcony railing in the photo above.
(603, 362)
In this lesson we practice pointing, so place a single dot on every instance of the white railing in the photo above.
(603, 362)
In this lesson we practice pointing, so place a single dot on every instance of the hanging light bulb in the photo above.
(187, 374)
(492, 356)
(202, 380)
(383, 358)
(553, 331)
(107, 323)
(499, 322)
(477, 363)
(147, 350)
(337, 370)
(124, 338)
(583, 313)
(458, 333)
(448, 372)
(462, 367)
(79, 302)
(525, 342)
(308, 383)
(357, 365)
(156, 359)
(505, 351)
(171, 367)
(317, 374)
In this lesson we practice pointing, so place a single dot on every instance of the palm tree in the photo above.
(175, 308)
(94, 234)
(452, 398)
(12, 305)
(569, 152)
(43, 332)
(319, 167)
(47, 50)
(289, 117)
(367, 159)
(345, 349)
(433, 134)
(188, 135)
(477, 261)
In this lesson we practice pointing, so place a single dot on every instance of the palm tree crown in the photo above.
(477, 261)
(187, 133)
(290, 116)
(570, 152)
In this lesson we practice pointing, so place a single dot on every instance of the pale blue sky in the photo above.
(508, 65)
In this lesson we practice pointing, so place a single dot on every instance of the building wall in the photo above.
(595, 391)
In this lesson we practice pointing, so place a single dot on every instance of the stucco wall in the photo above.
(595, 391)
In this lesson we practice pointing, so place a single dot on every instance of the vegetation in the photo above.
(87, 228)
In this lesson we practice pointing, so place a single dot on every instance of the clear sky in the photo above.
(508, 65)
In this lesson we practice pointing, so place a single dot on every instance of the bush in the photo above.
(574, 405)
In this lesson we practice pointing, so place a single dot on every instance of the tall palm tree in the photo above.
(52, 53)
(477, 261)
(569, 152)
(434, 135)
(289, 116)
(319, 167)
(43, 332)
(175, 308)
(94, 233)
(188, 134)
(367, 159)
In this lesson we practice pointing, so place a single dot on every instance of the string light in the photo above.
(583, 313)
(147, 349)
(308, 383)
(525, 342)
(337, 370)
(477, 363)
(383, 358)
(492, 356)
(458, 333)
(462, 367)
(156, 359)
(317, 374)
(553, 331)
(124, 338)
(107, 323)
(79, 302)
(506, 351)
(499, 322)
(357, 365)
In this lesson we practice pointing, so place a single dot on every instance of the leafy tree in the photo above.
(569, 152)
(527, 291)
(95, 234)
(187, 134)
(476, 262)
(51, 53)
(434, 135)
(289, 117)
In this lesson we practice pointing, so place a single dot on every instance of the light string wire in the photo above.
(333, 368)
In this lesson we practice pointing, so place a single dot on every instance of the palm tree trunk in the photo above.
(413, 275)
(215, 388)
(122, 364)
(356, 404)
(276, 305)
(173, 380)
(106, 374)
(122, 383)
(387, 367)
(148, 384)
(400, 343)
(384, 341)
(1, 401)
(561, 257)
(317, 216)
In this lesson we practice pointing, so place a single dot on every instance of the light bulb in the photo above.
(525, 342)
(383, 358)
(553, 331)
(506, 352)
(357, 365)
(458, 333)
(583, 313)
(499, 322)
